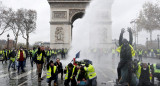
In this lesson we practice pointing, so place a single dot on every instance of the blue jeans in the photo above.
(11, 63)
(92, 82)
(20, 65)
(24, 63)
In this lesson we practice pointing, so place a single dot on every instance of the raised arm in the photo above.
(130, 36)
(121, 36)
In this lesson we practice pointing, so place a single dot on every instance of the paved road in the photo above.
(105, 69)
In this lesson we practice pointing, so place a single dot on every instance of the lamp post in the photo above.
(8, 42)
(147, 43)
(158, 40)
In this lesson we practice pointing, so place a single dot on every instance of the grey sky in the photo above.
(123, 11)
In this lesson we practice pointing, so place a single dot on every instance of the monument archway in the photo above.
(62, 15)
(75, 17)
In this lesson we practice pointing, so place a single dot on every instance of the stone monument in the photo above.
(62, 15)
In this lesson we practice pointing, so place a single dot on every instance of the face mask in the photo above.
(144, 68)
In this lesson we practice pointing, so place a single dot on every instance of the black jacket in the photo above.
(12, 54)
(43, 56)
(60, 67)
(125, 54)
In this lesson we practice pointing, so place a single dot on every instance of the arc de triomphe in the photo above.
(62, 14)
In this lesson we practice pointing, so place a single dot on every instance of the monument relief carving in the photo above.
(74, 11)
(69, 5)
(59, 14)
(59, 34)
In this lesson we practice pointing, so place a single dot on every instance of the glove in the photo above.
(129, 30)
(122, 30)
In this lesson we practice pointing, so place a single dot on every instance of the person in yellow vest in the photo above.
(71, 72)
(5, 55)
(81, 76)
(140, 53)
(12, 57)
(51, 73)
(32, 55)
(158, 53)
(126, 53)
(146, 53)
(152, 53)
(155, 71)
(20, 58)
(55, 53)
(48, 53)
(1, 52)
(62, 53)
(145, 75)
(92, 76)
(59, 67)
(39, 60)
(52, 53)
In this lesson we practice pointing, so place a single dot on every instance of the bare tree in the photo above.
(149, 18)
(16, 24)
(29, 23)
(5, 18)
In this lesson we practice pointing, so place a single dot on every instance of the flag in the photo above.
(78, 55)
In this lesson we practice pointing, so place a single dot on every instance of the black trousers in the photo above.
(73, 82)
(48, 58)
(61, 72)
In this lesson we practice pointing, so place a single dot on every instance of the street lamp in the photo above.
(158, 40)
(8, 42)
(147, 43)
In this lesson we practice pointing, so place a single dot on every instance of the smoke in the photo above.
(93, 30)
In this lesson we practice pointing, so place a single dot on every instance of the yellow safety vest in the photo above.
(48, 53)
(33, 52)
(55, 52)
(18, 56)
(78, 74)
(49, 72)
(132, 50)
(1, 52)
(66, 76)
(4, 53)
(12, 59)
(155, 69)
(90, 71)
(138, 73)
(140, 52)
(52, 51)
(39, 57)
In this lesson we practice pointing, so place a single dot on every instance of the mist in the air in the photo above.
(90, 32)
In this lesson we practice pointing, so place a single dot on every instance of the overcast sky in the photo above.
(123, 11)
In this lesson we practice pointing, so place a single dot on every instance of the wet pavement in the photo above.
(105, 69)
